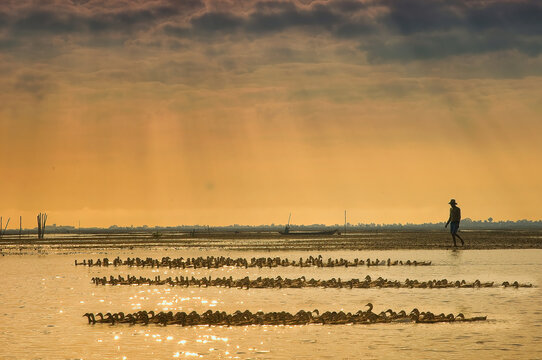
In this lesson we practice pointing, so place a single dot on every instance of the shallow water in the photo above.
(43, 297)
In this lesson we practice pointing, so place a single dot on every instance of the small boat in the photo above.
(288, 232)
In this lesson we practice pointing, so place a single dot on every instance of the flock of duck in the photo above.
(301, 282)
(302, 317)
(221, 261)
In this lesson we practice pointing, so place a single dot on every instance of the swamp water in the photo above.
(43, 297)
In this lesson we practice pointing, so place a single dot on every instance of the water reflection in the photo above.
(49, 303)
(455, 253)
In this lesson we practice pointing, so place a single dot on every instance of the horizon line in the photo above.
(145, 226)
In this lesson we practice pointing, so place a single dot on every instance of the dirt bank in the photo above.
(476, 239)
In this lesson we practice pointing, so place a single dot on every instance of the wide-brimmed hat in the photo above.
(452, 202)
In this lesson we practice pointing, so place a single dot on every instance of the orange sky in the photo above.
(135, 126)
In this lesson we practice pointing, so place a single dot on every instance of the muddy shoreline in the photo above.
(262, 241)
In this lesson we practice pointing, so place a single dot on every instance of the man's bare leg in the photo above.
(462, 242)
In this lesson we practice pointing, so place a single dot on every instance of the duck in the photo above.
(415, 314)
(91, 318)
(101, 319)
(110, 318)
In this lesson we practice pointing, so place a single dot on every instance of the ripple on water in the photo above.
(506, 331)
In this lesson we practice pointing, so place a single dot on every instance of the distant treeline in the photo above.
(466, 224)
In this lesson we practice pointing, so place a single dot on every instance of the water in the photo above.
(43, 297)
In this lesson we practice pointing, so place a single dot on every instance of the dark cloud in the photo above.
(35, 84)
(69, 20)
(519, 16)
(217, 21)
(410, 16)
(174, 30)
(386, 30)
(438, 46)
(355, 29)
(3, 20)
(43, 22)
(7, 44)
(318, 16)
(267, 18)
(403, 30)
(348, 6)
(80, 2)
(422, 30)
(267, 6)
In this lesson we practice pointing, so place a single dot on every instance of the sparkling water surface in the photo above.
(43, 297)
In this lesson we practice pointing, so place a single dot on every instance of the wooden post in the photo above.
(20, 226)
(345, 222)
(44, 218)
(39, 226)
(4, 231)
(44, 222)
(0, 227)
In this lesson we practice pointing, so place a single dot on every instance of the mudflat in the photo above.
(268, 240)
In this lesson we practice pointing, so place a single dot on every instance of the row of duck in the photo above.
(302, 317)
(301, 282)
(221, 261)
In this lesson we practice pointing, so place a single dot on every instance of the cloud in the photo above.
(46, 21)
(410, 16)
(318, 16)
(443, 45)
(178, 31)
(523, 17)
(81, 19)
(391, 30)
(7, 44)
(437, 29)
(3, 20)
(384, 31)
(34, 83)
(349, 6)
(216, 21)
(267, 18)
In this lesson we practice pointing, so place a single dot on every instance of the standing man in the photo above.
(453, 220)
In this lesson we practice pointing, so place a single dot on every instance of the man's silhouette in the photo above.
(453, 220)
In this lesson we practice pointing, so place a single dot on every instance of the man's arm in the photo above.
(449, 219)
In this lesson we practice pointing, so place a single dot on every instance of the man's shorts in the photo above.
(454, 226)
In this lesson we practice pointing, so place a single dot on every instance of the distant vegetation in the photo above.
(157, 231)
(466, 224)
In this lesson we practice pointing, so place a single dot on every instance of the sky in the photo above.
(164, 112)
